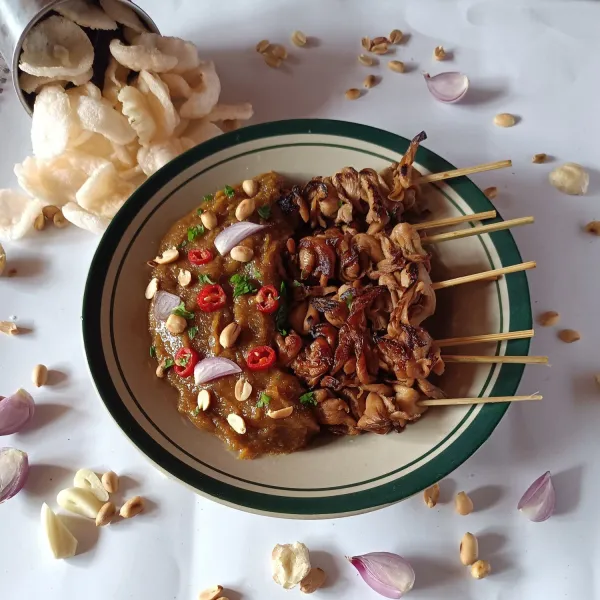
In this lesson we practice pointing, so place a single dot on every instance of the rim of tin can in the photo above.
(144, 16)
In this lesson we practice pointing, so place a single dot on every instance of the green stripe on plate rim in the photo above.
(442, 464)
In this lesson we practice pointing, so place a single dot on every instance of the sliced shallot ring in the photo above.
(231, 236)
(213, 368)
(164, 303)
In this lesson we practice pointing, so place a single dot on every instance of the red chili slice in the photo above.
(260, 358)
(185, 361)
(267, 299)
(201, 256)
(211, 298)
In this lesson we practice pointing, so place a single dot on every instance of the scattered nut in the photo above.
(203, 400)
(152, 288)
(278, 51)
(313, 581)
(263, 46)
(134, 506)
(245, 209)
(39, 376)
(463, 504)
(50, 211)
(570, 178)
(8, 327)
(481, 569)
(2, 259)
(282, 413)
(366, 43)
(539, 158)
(593, 227)
(250, 187)
(59, 220)
(396, 36)
(439, 53)
(299, 39)
(160, 370)
(396, 65)
(184, 277)
(380, 40)
(469, 549)
(209, 219)
(110, 481)
(504, 120)
(229, 335)
(168, 256)
(352, 94)
(380, 48)
(176, 324)
(370, 81)
(236, 423)
(242, 253)
(211, 593)
(106, 514)
(568, 336)
(290, 564)
(242, 390)
(431, 495)
(491, 192)
(39, 223)
(548, 318)
(365, 60)
(272, 61)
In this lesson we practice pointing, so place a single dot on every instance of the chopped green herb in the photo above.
(348, 297)
(192, 332)
(340, 204)
(263, 400)
(281, 316)
(194, 232)
(308, 399)
(264, 211)
(182, 361)
(153, 351)
(182, 245)
(207, 198)
(296, 283)
(196, 411)
(255, 273)
(180, 311)
(241, 285)
(204, 278)
(168, 363)
(199, 211)
(229, 191)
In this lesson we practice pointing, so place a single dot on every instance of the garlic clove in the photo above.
(290, 564)
(88, 480)
(62, 542)
(79, 501)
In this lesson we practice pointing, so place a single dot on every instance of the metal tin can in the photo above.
(17, 17)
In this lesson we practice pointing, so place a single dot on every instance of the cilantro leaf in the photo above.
(207, 198)
(182, 361)
(264, 211)
(195, 412)
(229, 191)
(153, 351)
(263, 400)
(168, 363)
(204, 278)
(308, 399)
(199, 211)
(180, 311)
(182, 245)
(241, 285)
(192, 332)
(281, 316)
(194, 232)
(348, 297)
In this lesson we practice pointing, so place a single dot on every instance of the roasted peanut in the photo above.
(593, 227)
(39, 223)
(39, 376)
(463, 504)
(352, 94)
(313, 581)
(211, 593)
(151, 289)
(236, 423)
(176, 324)
(396, 65)
(168, 256)
(209, 219)
(132, 507)
(491, 192)
(548, 318)
(299, 39)
(568, 336)
(469, 549)
(106, 514)
(110, 481)
(366, 60)
(49, 211)
(250, 187)
(242, 390)
(370, 81)
(504, 120)
(431, 495)
(184, 277)
(59, 220)
(439, 53)
(396, 36)
(244, 209)
(539, 158)
(242, 254)
(282, 413)
(263, 46)
(204, 400)
(229, 335)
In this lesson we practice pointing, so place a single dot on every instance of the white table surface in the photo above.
(537, 59)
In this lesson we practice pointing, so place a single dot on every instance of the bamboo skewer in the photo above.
(490, 400)
(490, 214)
(463, 233)
(522, 360)
(500, 164)
(484, 275)
(488, 337)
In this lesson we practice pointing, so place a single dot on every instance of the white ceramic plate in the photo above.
(349, 475)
